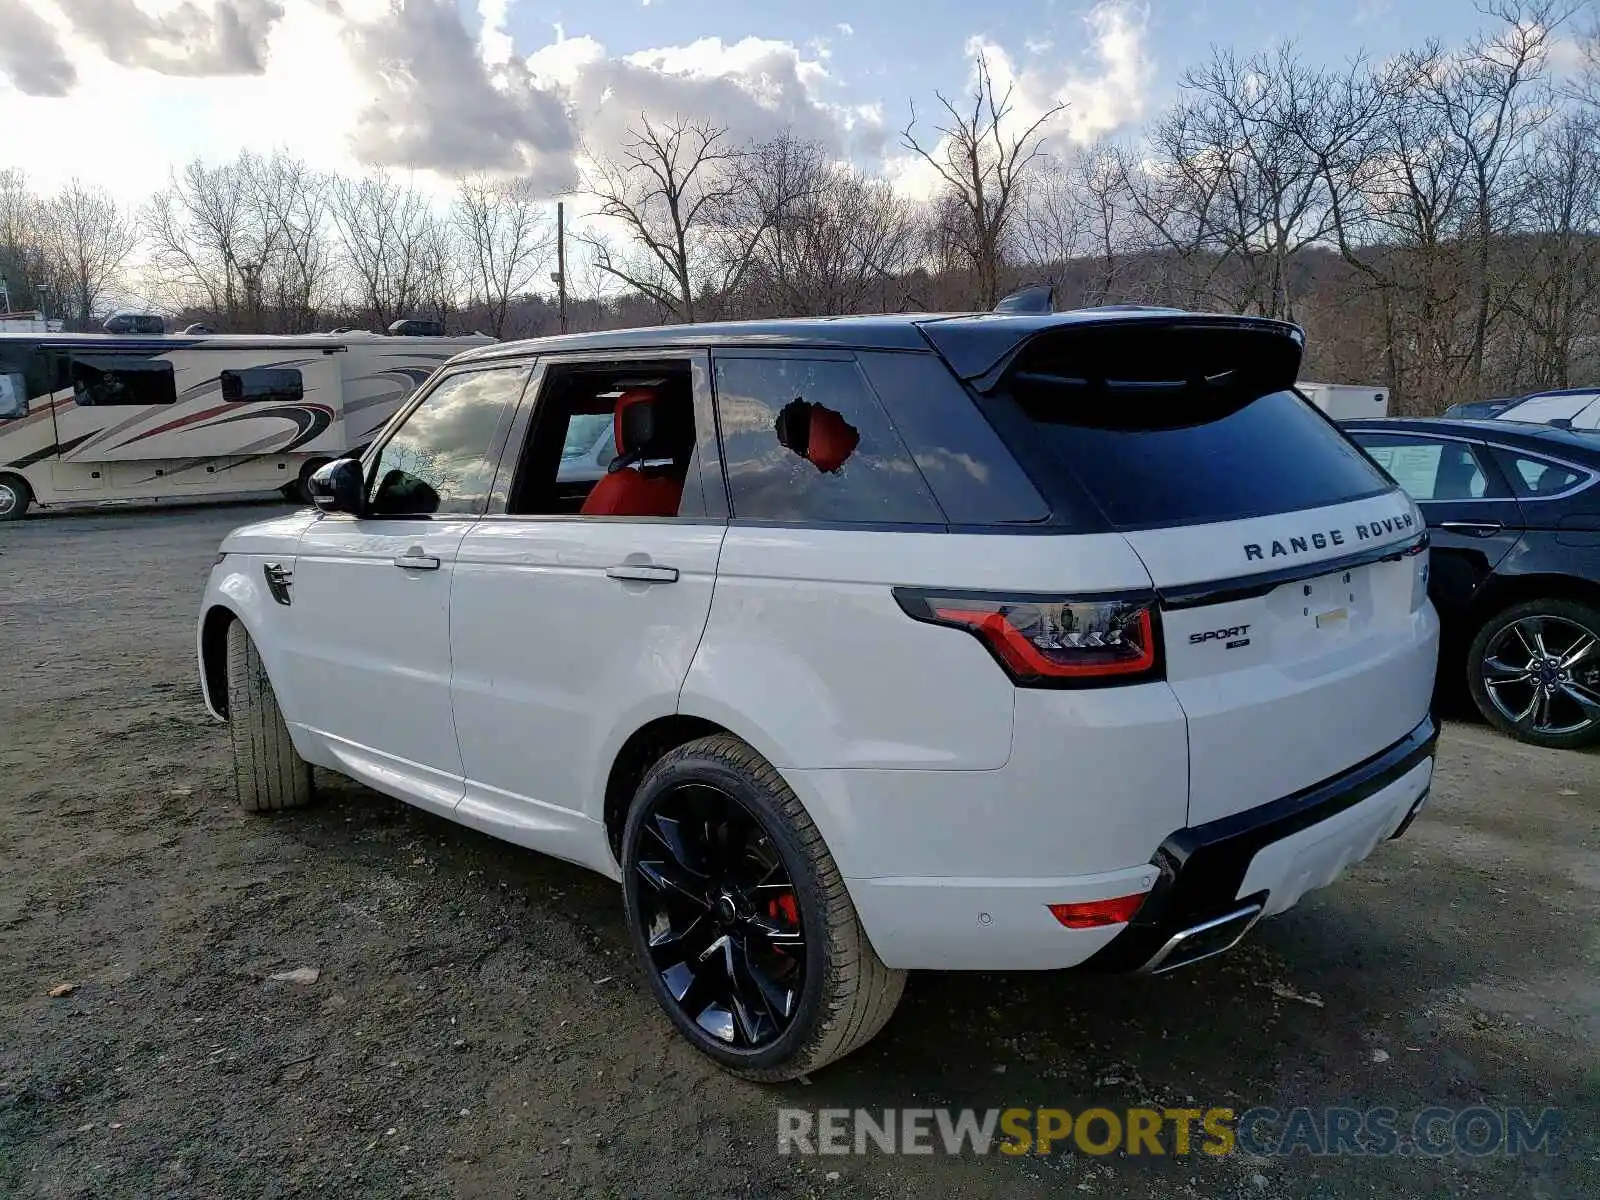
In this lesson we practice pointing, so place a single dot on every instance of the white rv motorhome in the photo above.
(111, 417)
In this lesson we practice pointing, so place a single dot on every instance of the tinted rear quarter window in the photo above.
(974, 476)
(805, 440)
(1532, 478)
(1146, 468)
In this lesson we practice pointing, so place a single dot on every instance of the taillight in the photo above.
(1050, 642)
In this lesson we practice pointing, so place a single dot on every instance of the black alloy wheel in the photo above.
(742, 925)
(720, 916)
(1535, 672)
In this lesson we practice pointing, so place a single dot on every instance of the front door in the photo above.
(368, 657)
(573, 629)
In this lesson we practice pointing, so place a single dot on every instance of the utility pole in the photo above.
(561, 261)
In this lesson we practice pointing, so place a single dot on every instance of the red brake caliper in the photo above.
(785, 907)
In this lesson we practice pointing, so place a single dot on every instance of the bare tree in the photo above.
(85, 238)
(442, 269)
(1557, 294)
(206, 238)
(290, 204)
(828, 239)
(1227, 184)
(984, 155)
(505, 237)
(671, 191)
(20, 262)
(1057, 221)
(387, 231)
(1489, 99)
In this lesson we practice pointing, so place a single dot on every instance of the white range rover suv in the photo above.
(991, 641)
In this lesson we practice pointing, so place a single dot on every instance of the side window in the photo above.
(1430, 470)
(121, 380)
(14, 369)
(262, 384)
(611, 439)
(13, 395)
(804, 439)
(1532, 478)
(442, 460)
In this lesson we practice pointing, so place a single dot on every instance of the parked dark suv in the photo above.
(1515, 518)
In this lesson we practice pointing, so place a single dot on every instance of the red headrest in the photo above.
(816, 433)
(832, 440)
(633, 429)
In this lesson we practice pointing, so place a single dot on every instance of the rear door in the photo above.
(1298, 638)
(570, 631)
(1473, 519)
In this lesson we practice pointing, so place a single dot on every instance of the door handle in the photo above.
(1472, 528)
(415, 560)
(642, 573)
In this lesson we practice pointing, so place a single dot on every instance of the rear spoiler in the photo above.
(1123, 351)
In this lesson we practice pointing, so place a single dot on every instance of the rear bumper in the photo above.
(1216, 880)
(1207, 885)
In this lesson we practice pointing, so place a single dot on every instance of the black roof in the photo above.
(972, 343)
(1575, 444)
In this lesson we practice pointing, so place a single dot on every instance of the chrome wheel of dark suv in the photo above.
(720, 916)
(1536, 672)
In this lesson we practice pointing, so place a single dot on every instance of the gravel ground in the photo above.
(475, 1027)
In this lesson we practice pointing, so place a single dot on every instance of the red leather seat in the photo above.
(627, 491)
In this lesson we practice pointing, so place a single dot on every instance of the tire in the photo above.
(300, 490)
(1568, 681)
(268, 774)
(845, 992)
(15, 497)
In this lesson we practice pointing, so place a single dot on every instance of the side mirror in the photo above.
(338, 487)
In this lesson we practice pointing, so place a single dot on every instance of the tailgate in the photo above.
(1298, 644)
(1296, 631)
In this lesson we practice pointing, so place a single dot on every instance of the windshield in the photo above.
(1580, 408)
(583, 432)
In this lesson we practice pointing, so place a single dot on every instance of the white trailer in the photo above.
(1347, 401)
(88, 417)
(28, 322)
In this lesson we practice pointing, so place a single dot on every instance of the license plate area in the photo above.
(1327, 605)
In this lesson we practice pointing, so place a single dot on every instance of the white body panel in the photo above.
(366, 654)
(1346, 401)
(556, 662)
(807, 649)
(202, 445)
(1309, 678)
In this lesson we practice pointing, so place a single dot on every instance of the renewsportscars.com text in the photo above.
(1261, 1131)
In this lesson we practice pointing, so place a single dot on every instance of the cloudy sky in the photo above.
(116, 91)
